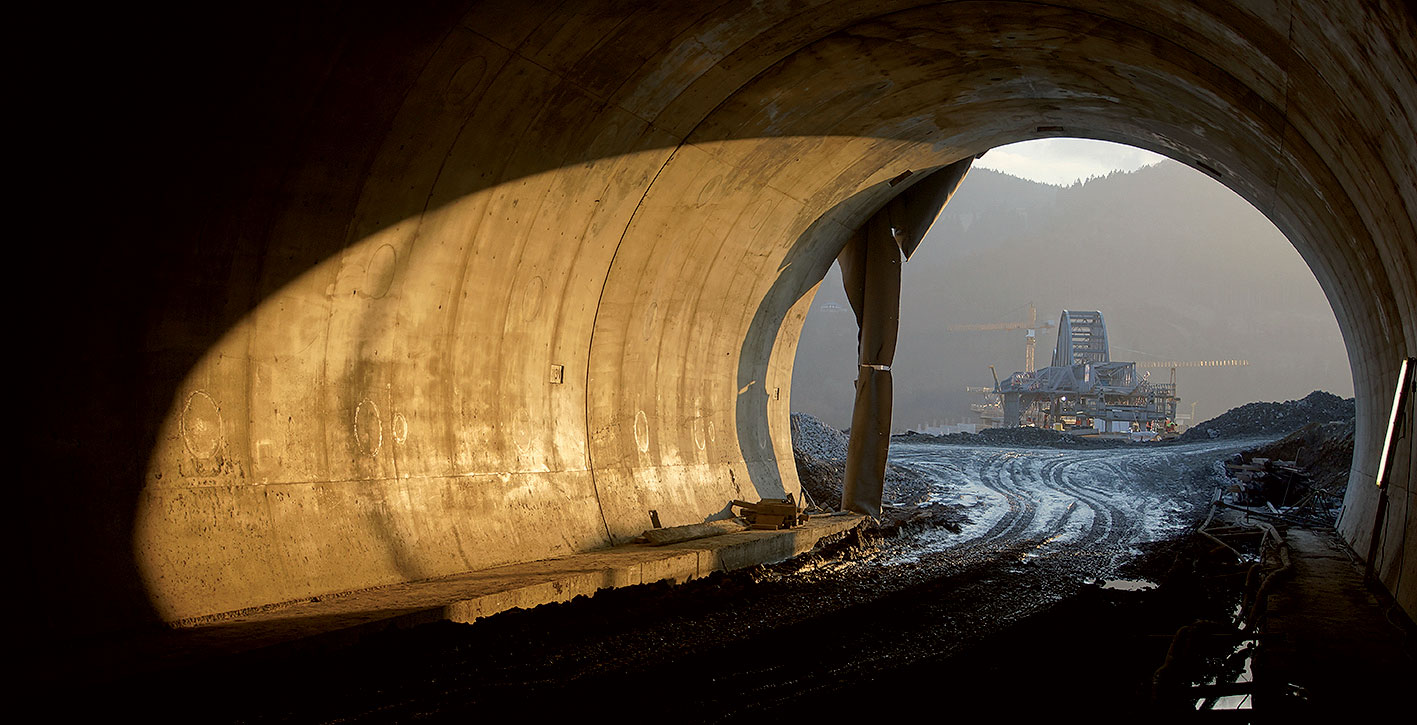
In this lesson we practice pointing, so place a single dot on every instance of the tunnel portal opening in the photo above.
(1189, 275)
(1170, 254)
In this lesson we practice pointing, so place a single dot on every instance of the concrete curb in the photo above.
(333, 621)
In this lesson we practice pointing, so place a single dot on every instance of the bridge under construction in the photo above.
(1084, 386)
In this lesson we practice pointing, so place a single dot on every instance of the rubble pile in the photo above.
(1260, 481)
(1306, 471)
(814, 438)
(1323, 452)
(820, 453)
(1274, 419)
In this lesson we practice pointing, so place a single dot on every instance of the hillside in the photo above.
(1182, 269)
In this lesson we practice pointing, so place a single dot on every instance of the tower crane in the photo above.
(1030, 337)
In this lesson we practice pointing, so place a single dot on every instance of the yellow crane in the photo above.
(1195, 364)
(1030, 337)
(1192, 364)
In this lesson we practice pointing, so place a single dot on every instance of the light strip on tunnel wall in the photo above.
(1399, 401)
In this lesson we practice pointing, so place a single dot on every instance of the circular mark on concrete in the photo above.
(710, 189)
(379, 273)
(531, 298)
(712, 434)
(522, 432)
(466, 80)
(368, 427)
(642, 431)
(201, 425)
(400, 428)
(650, 313)
(700, 434)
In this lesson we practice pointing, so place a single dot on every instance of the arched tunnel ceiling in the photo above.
(392, 293)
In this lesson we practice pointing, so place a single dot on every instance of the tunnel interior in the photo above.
(388, 294)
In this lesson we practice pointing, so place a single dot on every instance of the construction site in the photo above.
(1083, 389)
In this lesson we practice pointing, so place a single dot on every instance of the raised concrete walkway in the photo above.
(341, 619)
(1349, 647)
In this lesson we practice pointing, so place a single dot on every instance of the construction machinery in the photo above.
(1195, 364)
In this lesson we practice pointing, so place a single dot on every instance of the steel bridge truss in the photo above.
(1083, 382)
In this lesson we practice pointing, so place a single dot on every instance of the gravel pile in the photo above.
(1275, 419)
(820, 453)
(814, 438)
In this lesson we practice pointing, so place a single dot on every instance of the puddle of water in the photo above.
(1126, 585)
(1246, 649)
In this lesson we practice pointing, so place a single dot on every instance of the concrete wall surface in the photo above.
(345, 298)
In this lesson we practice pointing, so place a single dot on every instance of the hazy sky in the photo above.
(1062, 161)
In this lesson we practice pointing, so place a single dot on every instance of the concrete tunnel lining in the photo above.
(389, 226)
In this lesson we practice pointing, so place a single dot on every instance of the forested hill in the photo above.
(1181, 267)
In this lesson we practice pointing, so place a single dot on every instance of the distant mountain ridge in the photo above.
(1181, 267)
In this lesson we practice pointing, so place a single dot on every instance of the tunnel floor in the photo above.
(737, 647)
(770, 643)
(1002, 614)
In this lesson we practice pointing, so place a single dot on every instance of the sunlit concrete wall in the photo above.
(381, 295)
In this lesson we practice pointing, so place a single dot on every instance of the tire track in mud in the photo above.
(1082, 479)
(1103, 513)
(1089, 506)
(1011, 529)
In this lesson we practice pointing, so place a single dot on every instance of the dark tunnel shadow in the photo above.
(198, 142)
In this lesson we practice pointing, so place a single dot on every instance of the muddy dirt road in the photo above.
(1000, 608)
(1092, 508)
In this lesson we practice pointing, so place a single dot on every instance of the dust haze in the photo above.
(1181, 268)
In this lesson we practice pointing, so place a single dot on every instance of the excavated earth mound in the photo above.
(811, 436)
(1273, 419)
(820, 453)
(1030, 437)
